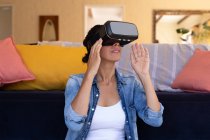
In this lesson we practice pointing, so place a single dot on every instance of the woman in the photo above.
(102, 103)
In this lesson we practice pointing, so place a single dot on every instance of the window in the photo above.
(6, 21)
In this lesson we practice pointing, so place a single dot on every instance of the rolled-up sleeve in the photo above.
(153, 118)
(73, 120)
(156, 114)
(73, 116)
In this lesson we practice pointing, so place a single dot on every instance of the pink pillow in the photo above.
(195, 76)
(12, 68)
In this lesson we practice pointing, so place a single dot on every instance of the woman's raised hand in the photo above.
(94, 58)
(140, 60)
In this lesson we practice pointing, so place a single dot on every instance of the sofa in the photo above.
(38, 115)
(32, 108)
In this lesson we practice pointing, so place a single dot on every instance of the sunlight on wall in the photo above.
(100, 14)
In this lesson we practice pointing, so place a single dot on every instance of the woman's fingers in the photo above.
(98, 48)
(94, 57)
(142, 50)
(93, 48)
(138, 52)
(138, 48)
(146, 52)
(135, 51)
(132, 57)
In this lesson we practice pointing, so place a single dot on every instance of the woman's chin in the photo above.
(115, 59)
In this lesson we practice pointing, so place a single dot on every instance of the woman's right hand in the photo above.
(94, 59)
(83, 94)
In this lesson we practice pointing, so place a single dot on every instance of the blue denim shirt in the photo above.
(133, 101)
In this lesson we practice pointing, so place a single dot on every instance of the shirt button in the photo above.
(129, 137)
(88, 123)
(92, 109)
(96, 95)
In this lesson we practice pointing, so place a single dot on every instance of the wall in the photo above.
(71, 15)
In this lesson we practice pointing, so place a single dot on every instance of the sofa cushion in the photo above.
(52, 65)
(195, 76)
(12, 68)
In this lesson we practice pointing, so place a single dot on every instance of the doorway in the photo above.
(99, 14)
(5, 21)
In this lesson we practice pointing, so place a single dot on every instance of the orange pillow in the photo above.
(195, 76)
(12, 68)
(51, 65)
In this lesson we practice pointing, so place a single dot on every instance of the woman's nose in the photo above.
(116, 44)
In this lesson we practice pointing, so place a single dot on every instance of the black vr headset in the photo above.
(116, 32)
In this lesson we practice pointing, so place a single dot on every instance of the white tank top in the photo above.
(108, 123)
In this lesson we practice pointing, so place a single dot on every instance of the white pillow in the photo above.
(61, 43)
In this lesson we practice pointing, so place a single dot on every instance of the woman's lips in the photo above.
(115, 51)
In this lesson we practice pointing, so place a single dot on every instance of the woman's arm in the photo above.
(81, 101)
(152, 99)
(140, 63)
(148, 115)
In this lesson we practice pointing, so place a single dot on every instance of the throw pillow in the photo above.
(52, 66)
(195, 74)
(12, 68)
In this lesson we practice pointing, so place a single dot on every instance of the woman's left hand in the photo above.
(140, 60)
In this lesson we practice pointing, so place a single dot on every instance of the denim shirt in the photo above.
(133, 101)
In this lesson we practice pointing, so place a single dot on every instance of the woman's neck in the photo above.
(106, 73)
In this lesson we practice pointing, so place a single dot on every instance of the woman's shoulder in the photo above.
(126, 75)
(76, 78)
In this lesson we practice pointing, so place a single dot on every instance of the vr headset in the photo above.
(116, 32)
